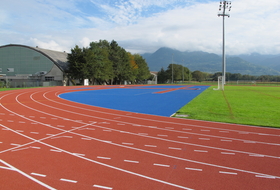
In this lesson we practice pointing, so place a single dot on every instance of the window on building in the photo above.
(49, 78)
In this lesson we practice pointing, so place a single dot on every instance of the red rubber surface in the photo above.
(50, 143)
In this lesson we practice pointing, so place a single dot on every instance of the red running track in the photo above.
(50, 143)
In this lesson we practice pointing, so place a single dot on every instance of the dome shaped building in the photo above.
(24, 66)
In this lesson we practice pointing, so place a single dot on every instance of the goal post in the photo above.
(220, 83)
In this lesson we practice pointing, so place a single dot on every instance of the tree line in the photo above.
(106, 62)
(181, 73)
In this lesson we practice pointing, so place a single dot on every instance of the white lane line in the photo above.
(78, 154)
(229, 153)
(28, 176)
(20, 149)
(6, 168)
(87, 139)
(160, 135)
(143, 134)
(104, 158)
(266, 176)
(54, 150)
(120, 124)
(127, 143)
(35, 133)
(226, 140)
(1, 142)
(200, 150)
(102, 187)
(162, 165)
(60, 126)
(20, 131)
(149, 145)
(205, 139)
(41, 175)
(131, 161)
(35, 147)
(68, 180)
(174, 148)
(256, 155)
(181, 137)
(194, 169)
(13, 144)
(252, 142)
(231, 173)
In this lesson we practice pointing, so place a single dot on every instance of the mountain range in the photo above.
(253, 64)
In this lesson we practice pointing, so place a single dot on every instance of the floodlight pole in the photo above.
(172, 69)
(224, 5)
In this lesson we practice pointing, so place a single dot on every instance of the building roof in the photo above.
(57, 57)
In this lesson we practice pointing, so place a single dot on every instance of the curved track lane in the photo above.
(51, 143)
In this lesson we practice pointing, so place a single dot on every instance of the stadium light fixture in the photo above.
(224, 8)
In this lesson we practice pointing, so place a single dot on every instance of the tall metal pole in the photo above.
(172, 69)
(224, 5)
(183, 70)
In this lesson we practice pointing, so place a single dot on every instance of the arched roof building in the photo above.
(21, 65)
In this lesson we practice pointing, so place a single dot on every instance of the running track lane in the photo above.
(50, 143)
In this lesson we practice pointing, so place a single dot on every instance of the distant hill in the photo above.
(205, 62)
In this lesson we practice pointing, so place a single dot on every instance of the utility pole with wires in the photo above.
(224, 8)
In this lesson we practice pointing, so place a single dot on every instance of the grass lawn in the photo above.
(251, 105)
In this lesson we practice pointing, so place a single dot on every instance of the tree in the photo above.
(143, 72)
(198, 76)
(77, 64)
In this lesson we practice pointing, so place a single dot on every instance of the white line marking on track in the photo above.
(13, 144)
(11, 121)
(105, 158)
(205, 139)
(200, 150)
(131, 161)
(249, 142)
(54, 150)
(127, 143)
(20, 131)
(194, 169)
(206, 130)
(35, 147)
(169, 127)
(62, 137)
(266, 176)
(181, 137)
(21, 121)
(256, 155)
(102, 187)
(148, 145)
(231, 173)
(143, 134)
(68, 180)
(41, 175)
(226, 140)
(229, 153)
(20, 149)
(6, 168)
(60, 126)
(160, 135)
(28, 176)
(224, 131)
(174, 148)
(186, 129)
(87, 139)
(78, 154)
(35, 133)
(163, 165)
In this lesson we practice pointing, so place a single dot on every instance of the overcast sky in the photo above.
(142, 25)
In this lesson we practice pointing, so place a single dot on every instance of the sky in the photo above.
(142, 26)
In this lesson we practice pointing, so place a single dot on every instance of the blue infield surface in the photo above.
(155, 100)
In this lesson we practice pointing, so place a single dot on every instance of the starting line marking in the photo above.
(150, 145)
(131, 161)
(266, 176)
(102, 187)
(105, 158)
(173, 148)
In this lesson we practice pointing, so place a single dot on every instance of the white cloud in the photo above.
(145, 25)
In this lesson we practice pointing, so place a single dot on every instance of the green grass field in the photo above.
(250, 105)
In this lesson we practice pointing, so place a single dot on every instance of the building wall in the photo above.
(17, 60)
